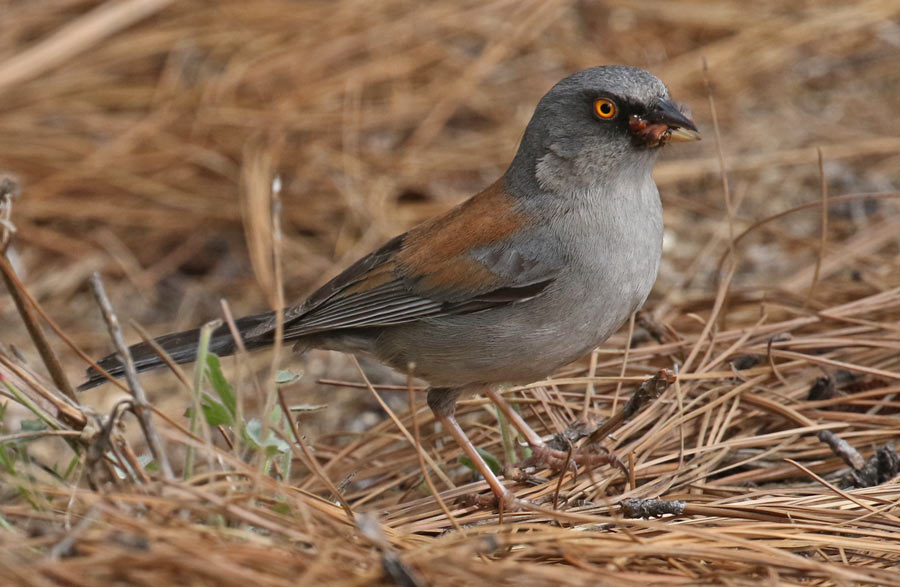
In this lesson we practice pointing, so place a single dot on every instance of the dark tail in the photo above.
(182, 347)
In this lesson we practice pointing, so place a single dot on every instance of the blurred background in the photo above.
(139, 132)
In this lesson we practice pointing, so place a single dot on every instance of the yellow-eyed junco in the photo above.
(522, 278)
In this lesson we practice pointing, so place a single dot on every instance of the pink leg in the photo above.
(443, 403)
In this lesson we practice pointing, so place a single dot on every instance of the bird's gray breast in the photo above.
(613, 238)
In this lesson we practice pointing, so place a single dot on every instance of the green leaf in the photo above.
(148, 463)
(72, 464)
(251, 432)
(214, 413)
(32, 425)
(308, 408)
(8, 457)
(285, 377)
(221, 386)
(275, 415)
(272, 444)
(282, 509)
(492, 462)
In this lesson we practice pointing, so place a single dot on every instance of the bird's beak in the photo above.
(680, 128)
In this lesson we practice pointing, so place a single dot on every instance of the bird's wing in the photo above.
(468, 260)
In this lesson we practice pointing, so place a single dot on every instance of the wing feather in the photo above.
(467, 261)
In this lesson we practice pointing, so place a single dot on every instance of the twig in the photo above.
(651, 508)
(387, 409)
(848, 496)
(162, 354)
(51, 361)
(240, 356)
(9, 191)
(823, 237)
(420, 455)
(65, 411)
(592, 371)
(635, 508)
(39, 434)
(393, 566)
(845, 199)
(562, 475)
(631, 323)
(842, 448)
(310, 457)
(75, 37)
(275, 202)
(125, 450)
(726, 191)
(649, 389)
(140, 406)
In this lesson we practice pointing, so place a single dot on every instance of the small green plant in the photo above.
(220, 408)
(492, 461)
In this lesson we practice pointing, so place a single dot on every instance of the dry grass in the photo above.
(145, 134)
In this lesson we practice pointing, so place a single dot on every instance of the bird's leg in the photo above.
(542, 453)
(442, 402)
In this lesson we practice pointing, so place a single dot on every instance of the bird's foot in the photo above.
(545, 456)
(560, 453)
(508, 502)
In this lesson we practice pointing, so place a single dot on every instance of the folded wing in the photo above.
(466, 261)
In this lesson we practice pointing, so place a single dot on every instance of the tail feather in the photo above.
(182, 347)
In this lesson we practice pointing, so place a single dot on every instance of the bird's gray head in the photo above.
(596, 125)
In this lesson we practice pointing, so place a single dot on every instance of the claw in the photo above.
(511, 503)
(545, 456)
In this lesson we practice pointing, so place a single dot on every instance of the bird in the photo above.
(524, 277)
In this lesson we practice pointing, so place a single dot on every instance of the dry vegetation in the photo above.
(144, 135)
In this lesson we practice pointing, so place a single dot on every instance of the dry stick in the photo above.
(654, 508)
(844, 494)
(771, 361)
(238, 389)
(124, 449)
(682, 434)
(162, 354)
(726, 192)
(276, 352)
(650, 389)
(559, 482)
(824, 236)
(387, 409)
(842, 448)
(54, 327)
(141, 406)
(421, 456)
(707, 327)
(75, 37)
(65, 411)
(860, 197)
(39, 434)
(615, 402)
(310, 457)
(589, 389)
(722, 294)
(275, 193)
(51, 361)
(632, 482)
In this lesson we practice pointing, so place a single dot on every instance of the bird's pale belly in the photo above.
(508, 346)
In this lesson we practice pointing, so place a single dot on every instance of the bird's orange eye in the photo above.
(604, 108)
